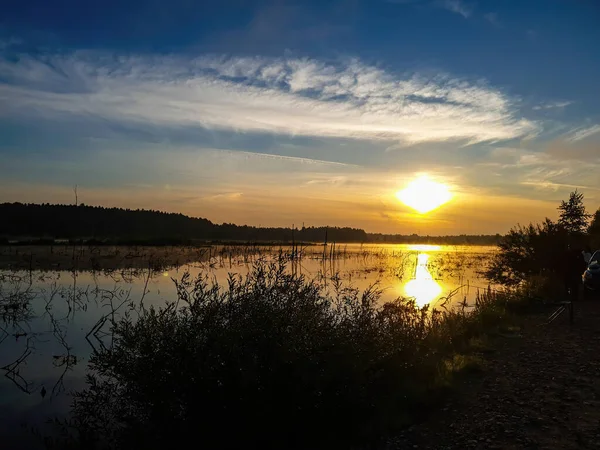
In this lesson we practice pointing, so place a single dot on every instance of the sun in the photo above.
(424, 195)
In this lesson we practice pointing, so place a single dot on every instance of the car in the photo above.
(591, 276)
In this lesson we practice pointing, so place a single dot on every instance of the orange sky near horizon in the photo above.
(377, 211)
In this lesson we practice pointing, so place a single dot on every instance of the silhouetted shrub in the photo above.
(550, 250)
(528, 251)
(271, 362)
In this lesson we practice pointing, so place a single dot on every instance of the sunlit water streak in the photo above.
(423, 288)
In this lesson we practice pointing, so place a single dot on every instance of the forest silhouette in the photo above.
(46, 222)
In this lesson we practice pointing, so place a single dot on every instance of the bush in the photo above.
(548, 250)
(529, 251)
(271, 362)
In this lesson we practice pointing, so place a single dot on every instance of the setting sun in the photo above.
(424, 195)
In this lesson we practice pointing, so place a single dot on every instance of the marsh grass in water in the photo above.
(272, 361)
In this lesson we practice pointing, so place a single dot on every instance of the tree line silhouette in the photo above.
(41, 222)
(47, 221)
(461, 239)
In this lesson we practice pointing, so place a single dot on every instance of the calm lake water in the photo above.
(53, 320)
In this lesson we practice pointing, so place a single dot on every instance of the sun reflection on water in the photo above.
(423, 288)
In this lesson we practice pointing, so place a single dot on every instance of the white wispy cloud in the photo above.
(552, 105)
(292, 159)
(225, 196)
(276, 95)
(582, 133)
(455, 6)
(458, 7)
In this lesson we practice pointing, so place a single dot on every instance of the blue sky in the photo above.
(281, 112)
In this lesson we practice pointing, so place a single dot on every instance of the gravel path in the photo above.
(538, 390)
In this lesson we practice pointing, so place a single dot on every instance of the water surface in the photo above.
(52, 320)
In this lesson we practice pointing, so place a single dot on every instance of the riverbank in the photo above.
(538, 388)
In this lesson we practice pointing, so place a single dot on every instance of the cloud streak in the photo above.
(583, 133)
(455, 6)
(292, 96)
(458, 7)
(552, 105)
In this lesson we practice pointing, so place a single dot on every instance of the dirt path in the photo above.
(538, 390)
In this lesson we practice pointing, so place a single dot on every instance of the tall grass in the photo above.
(271, 361)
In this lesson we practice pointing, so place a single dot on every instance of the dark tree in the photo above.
(550, 250)
(594, 228)
(529, 251)
(573, 216)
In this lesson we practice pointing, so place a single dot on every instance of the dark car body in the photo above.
(591, 276)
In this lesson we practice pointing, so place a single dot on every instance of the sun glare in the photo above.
(423, 288)
(424, 195)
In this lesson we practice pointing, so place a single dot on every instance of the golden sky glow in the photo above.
(274, 139)
(366, 201)
(424, 194)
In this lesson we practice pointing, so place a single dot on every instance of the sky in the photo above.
(277, 112)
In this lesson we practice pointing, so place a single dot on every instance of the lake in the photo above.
(53, 319)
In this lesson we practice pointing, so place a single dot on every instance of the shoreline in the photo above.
(536, 388)
(112, 257)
